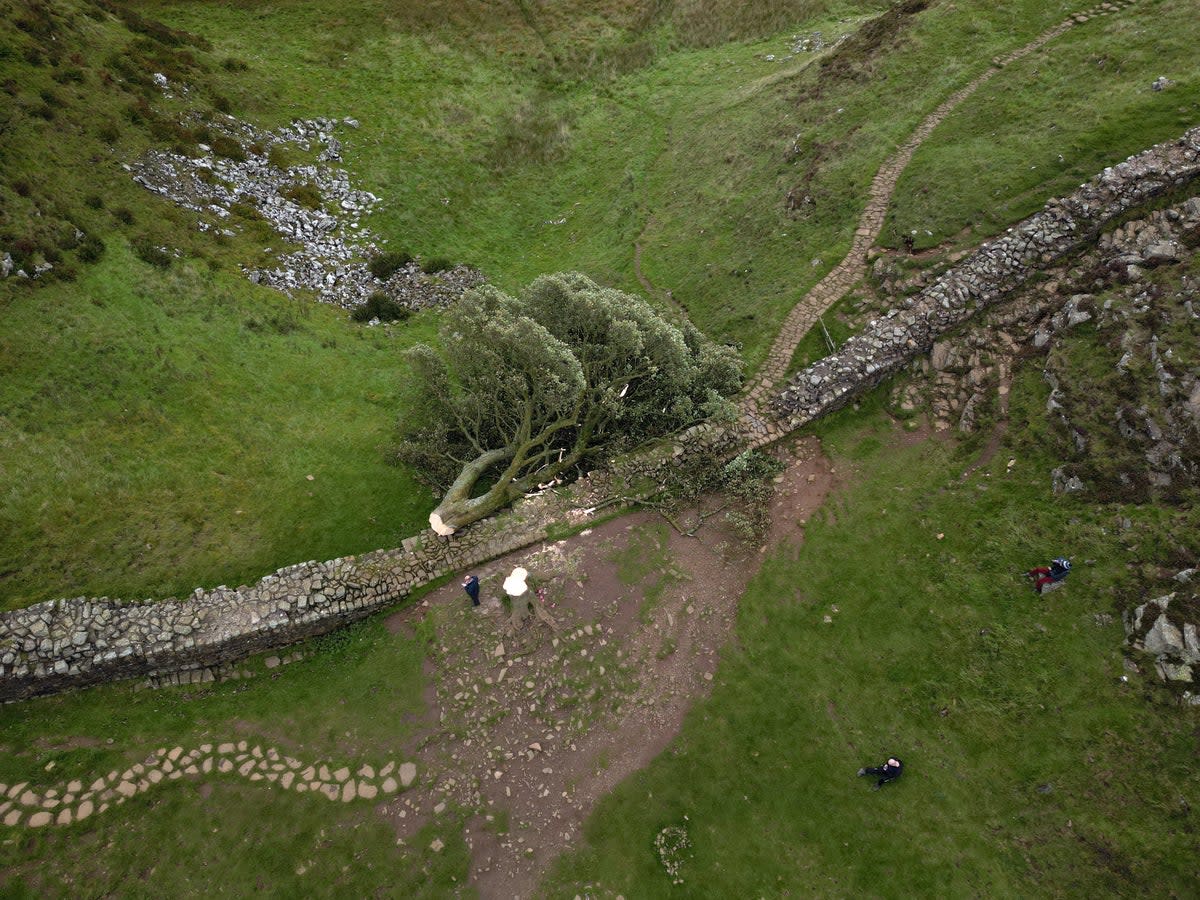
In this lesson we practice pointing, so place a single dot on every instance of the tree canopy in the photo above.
(526, 388)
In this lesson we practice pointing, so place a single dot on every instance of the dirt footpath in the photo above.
(530, 726)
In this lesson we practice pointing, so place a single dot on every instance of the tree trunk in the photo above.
(458, 507)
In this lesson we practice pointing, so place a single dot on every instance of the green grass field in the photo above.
(1050, 121)
(522, 145)
(1031, 769)
(160, 434)
(160, 421)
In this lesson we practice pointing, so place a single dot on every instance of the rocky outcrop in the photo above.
(1161, 628)
(987, 276)
(1138, 383)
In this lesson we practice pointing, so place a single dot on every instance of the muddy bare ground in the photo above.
(530, 725)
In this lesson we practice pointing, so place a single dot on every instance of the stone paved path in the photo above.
(757, 422)
(21, 805)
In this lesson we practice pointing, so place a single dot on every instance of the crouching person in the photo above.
(889, 771)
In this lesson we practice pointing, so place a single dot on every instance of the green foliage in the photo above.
(306, 193)
(90, 249)
(279, 157)
(229, 147)
(382, 307)
(384, 265)
(436, 264)
(149, 251)
(537, 384)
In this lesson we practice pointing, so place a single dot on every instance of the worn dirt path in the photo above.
(756, 417)
(532, 727)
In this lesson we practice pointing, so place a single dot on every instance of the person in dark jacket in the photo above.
(471, 586)
(889, 771)
(1056, 572)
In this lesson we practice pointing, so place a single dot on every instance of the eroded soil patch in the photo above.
(534, 724)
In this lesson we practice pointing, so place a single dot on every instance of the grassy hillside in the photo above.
(160, 417)
(1031, 767)
(523, 138)
(1050, 121)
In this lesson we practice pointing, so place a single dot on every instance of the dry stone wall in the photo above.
(69, 643)
(988, 275)
(62, 644)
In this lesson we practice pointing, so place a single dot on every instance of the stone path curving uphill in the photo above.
(72, 802)
(757, 422)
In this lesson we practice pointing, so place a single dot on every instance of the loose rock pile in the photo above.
(412, 288)
(333, 242)
(331, 238)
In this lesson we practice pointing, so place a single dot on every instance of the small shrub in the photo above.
(21, 188)
(382, 307)
(436, 264)
(23, 248)
(279, 157)
(138, 111)
(91, 248)
(73, 74)
(123, 215)
(222, 104)
(233, 64)
(149, 252)
(69, 238)
(94, 201)
(387, 264)
(306, 194)
(108, 132)
(245, 210)
(223, 145)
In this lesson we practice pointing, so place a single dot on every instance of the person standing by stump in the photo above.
(889, 771)
(471, 586)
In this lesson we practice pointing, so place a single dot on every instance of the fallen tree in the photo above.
(526, 389)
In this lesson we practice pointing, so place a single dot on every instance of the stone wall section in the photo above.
(1064, 226)
(70, 643)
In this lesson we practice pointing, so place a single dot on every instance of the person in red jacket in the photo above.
(1046, 576)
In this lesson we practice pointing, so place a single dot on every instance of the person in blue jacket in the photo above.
(1055, 573)
(471, 586)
